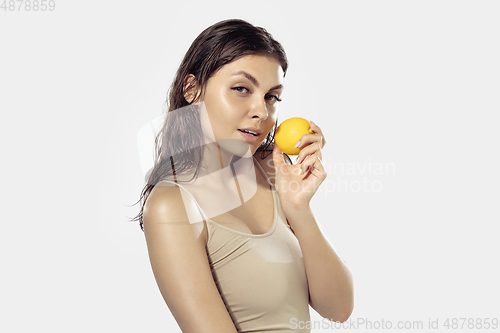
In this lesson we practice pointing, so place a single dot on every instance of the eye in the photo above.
(274, 98)
(240, 89)
(269, 97)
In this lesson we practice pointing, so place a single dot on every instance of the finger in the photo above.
(318, 130)
(307, 139)
(315, 128)
(318, 165)
(313, 148)
(312, 163)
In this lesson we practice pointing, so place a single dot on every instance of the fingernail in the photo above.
(300, 172)
(312, 122)
(297, 145)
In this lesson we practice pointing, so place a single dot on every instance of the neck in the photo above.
(222, 154)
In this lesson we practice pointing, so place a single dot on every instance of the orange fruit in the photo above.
(289, 133)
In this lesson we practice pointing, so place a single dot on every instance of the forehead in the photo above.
(267, 70)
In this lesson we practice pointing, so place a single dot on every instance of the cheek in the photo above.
(270, 127)
(217, 107)
(229, 104)
(216, 97)
(273, 118)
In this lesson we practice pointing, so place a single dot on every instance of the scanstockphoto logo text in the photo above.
(351, 177)
(358, 323)
(27, 5)
(439, 324)
(356, 177)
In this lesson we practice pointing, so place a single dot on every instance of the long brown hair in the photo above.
(215, 47)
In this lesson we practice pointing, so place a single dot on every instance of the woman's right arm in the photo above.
(180, 264)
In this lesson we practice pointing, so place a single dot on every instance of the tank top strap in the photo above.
(205, 217)
(263, 172)
(196, 202)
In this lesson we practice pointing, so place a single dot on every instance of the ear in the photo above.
(190, 86)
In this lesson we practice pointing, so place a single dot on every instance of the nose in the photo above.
(259, 110)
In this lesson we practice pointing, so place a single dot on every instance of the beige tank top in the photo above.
(261, 278)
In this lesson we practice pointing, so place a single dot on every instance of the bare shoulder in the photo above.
(164, 198)
(167, 205)
(180, 265)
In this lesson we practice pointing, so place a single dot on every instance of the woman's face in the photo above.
(243, 95)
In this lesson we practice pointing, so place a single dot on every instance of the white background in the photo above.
(412, 86)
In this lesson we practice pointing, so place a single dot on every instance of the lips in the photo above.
(248, 132)
(251, 129)
(249, 137)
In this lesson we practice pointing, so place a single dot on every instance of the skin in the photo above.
(177, 248)
(235, 101)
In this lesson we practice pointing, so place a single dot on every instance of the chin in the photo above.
(236, 147)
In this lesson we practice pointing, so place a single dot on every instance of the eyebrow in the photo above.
(254, 80)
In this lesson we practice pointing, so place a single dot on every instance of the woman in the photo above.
(232, 240)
